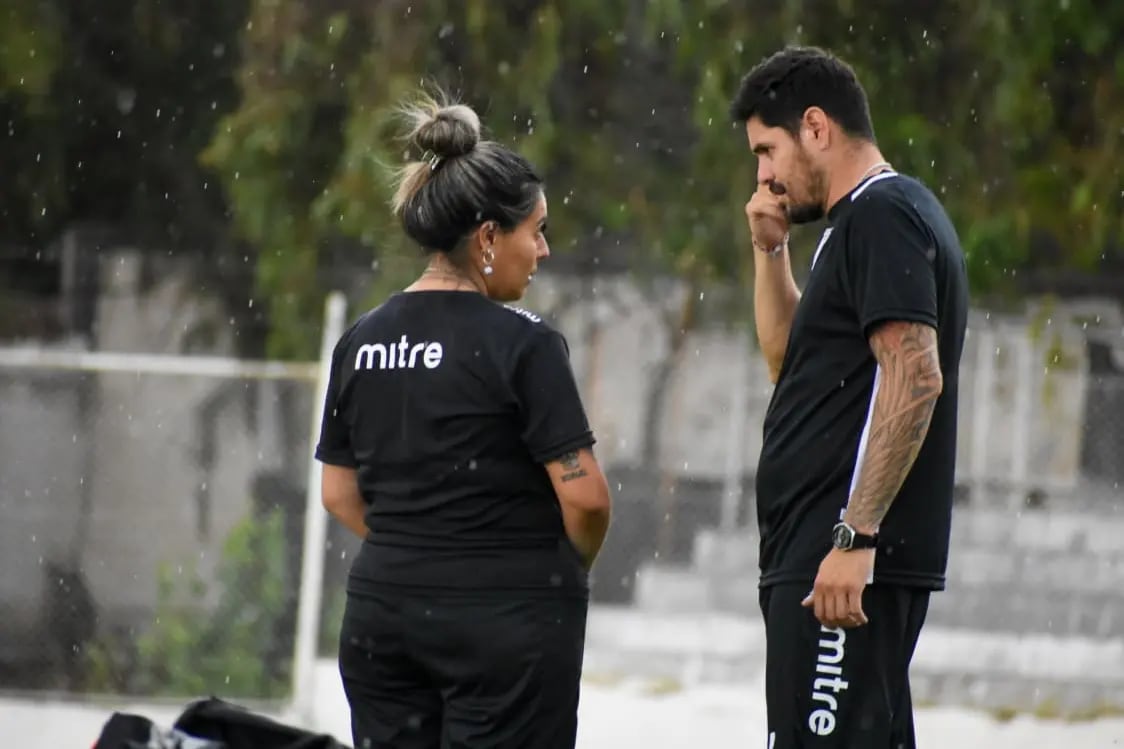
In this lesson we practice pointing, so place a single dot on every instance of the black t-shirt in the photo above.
(448, 405)
(889, 253)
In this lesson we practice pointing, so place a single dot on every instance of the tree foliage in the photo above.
(104, 109)
(1009, 114)
(230, 638)
(1012, 114)
(1014, 118)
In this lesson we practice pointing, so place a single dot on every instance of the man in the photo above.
(855, 478)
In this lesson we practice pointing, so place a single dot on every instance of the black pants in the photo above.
(841, 688)
(451, 672)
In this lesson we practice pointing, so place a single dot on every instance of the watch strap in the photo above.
(864, 541)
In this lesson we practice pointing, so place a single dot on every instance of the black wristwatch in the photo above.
(845, 538)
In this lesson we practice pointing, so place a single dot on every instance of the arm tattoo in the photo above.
(907, 393)
(571, 466)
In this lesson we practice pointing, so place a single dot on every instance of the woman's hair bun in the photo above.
(447, 131)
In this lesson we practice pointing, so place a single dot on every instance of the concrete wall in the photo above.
(1023, 386)
(1032, 616)
(106, 477)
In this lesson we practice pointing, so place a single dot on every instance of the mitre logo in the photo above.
(829, 661)
(399, 355)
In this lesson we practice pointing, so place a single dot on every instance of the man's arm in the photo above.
(775, 296)
(910, 381)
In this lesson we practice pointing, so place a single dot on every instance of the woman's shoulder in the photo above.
(523, 317)
(526, 323)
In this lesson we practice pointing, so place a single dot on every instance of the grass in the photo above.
(1051, 709)
(662, 686)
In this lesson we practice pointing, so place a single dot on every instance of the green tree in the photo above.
(1013, 116)
(105, 108)
(308, 155)
(278, 114)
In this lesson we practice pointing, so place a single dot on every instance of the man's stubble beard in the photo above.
(805, 213)
(812, 209)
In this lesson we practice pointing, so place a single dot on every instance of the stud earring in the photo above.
(489, 258)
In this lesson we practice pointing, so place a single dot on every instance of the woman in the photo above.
(455, 444)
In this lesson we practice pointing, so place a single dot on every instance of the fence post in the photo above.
(1020, 432)
(983, 389)
(736, 447)
(315, 529)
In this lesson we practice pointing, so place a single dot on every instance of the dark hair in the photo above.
(780, 88)
(458, 180)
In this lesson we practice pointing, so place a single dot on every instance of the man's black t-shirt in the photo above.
(447, 405)
(889, 253)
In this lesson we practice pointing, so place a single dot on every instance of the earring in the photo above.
(489, 258)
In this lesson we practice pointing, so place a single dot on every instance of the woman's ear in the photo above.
(477, 240)
(487, 233)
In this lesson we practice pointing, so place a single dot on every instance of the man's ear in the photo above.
(816, 128)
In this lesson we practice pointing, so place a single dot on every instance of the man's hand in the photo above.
(768, 221)
(837, 595)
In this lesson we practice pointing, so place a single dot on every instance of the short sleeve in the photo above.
(334, 447)
(890, 264)
(554, 419)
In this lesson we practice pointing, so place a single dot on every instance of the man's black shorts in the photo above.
(431, 671)
(844, 688)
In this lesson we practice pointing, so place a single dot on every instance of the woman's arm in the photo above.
(339, 492)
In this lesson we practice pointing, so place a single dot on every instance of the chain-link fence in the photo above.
(152, 526)
(152, 519)
(679, 418)
(1035, 550)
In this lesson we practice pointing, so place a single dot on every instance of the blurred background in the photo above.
(182, 185)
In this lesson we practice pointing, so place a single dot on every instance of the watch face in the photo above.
(841, 536)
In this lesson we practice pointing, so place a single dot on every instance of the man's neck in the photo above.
(856, 165)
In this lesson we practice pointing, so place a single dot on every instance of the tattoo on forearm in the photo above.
(907, 393)
(572, 466)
